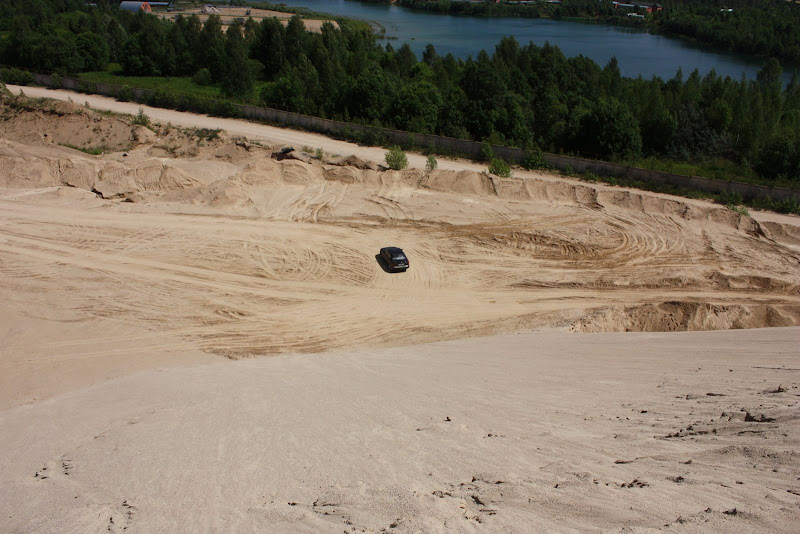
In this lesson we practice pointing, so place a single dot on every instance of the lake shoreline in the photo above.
(639, 52)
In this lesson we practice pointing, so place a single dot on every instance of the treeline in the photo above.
(524, 96)
(767, 28)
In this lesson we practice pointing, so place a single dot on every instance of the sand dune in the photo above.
(181, 247)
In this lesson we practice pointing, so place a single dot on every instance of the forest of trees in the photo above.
(767, 28)
(525, 96)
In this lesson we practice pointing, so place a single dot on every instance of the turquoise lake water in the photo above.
(637, 52)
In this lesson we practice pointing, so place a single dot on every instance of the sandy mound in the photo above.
(64, 123)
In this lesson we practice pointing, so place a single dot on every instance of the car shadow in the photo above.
(384, 265)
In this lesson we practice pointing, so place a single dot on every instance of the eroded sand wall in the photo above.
(461, 146)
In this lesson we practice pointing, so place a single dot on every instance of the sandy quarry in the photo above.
(131, 279)
(228, 15)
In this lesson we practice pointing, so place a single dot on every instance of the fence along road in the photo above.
(297, 138)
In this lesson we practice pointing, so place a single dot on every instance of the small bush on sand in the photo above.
(320, 154)
(396, 159)
(141, 118)
(741, 210)
(431, 164)
(499, 167)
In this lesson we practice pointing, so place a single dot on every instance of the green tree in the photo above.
(238, 80)
(296, 38)
(212, 44)
(416, 107)
(268, 47)
(370, 94)
(93, 48)
(609, 130)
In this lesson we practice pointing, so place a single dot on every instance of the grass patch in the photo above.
(204, 133)
(94, 150)
(739, 209)
(180, 85)
(731, 201)
(183, 85)
(718, 169)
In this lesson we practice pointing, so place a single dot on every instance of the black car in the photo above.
(394, 258)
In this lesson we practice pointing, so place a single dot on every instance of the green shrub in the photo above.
(141, 118)
(125, 94)
(499, 167)
(94, 150)
(396, 159)
(431, 164)
(408, 142)
(487, 153)
(16, 76)
(320, 154)
(202, 77)
(787, 205)
(223, 108)
(739, 209)
(534, 159)
(55, 81)
(87, 87)
(730, 198)
(165, 99)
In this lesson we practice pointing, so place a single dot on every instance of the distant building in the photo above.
(647, 7)
(136, 6)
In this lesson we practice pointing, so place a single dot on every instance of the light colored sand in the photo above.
(298, 139)
(224, 250)
(115, 312)
(547, 432)
(229, 14)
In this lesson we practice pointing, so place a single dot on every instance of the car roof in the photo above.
(393, 250)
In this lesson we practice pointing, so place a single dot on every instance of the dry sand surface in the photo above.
(128, 277)
(228, 15)
(537, 432)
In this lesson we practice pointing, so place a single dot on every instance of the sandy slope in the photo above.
(185, 248)
(538, 432)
